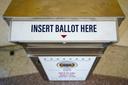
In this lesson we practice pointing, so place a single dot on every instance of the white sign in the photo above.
(67, 68)
(63, 31)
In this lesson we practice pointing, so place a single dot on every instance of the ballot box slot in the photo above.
(67, 45)
(65, 51)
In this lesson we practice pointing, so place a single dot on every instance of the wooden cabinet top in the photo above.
(64, 8)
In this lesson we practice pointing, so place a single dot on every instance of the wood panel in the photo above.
(64, 8)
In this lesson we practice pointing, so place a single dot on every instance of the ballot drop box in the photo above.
(64, 38)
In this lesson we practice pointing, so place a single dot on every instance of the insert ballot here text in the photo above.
(63, 28)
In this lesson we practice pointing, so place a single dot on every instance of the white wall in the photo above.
(4, 29)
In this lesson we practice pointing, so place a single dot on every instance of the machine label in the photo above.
(63, 31)
(67, 68)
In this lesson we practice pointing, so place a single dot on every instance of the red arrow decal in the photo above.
(63, 36)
